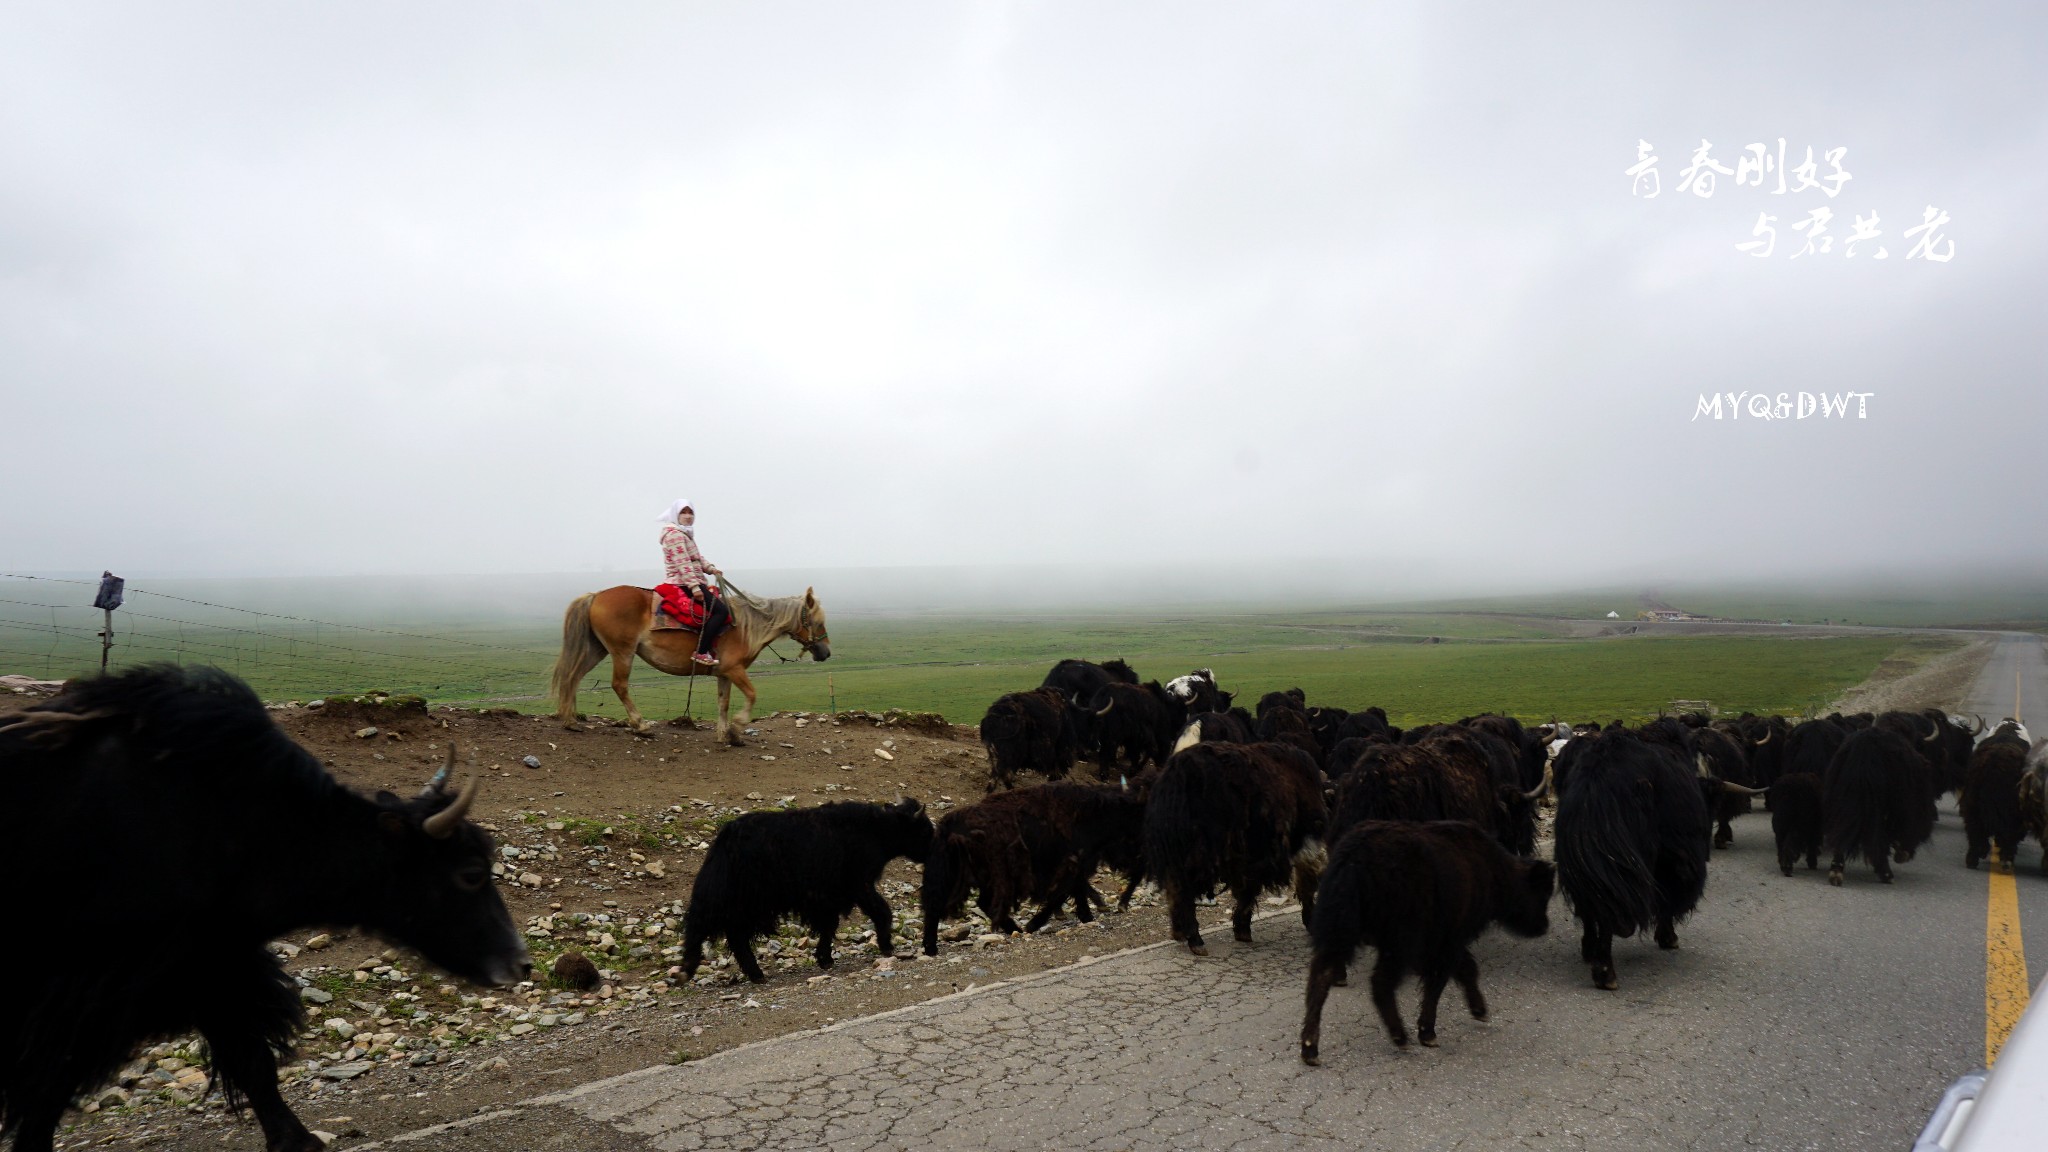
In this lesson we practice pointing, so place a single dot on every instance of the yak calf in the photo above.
(817, 864)
(1042, 844)
(1419, 894)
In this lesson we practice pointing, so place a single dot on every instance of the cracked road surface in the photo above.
(1794, 1016)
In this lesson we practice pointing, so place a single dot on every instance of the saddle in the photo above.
(674, 609)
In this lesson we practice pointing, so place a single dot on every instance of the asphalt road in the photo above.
(1794, 1016)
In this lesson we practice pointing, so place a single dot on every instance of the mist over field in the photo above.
(1137, 301)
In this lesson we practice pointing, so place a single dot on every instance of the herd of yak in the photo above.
(1431, 830)
(168, 798)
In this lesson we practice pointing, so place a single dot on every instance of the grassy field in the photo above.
(1417, 665)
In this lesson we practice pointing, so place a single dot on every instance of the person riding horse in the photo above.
(688, 570)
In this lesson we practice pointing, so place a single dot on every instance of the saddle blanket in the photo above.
(675, 609)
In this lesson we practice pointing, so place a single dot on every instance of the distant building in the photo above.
(1614, 615)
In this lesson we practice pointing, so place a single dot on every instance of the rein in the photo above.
(803, 621)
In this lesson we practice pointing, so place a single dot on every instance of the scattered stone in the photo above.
(885, 754)
(987, 939)
(321, 941)
(530, 879)
(316, 996)
(957, 932)
(341, 1028)
(530, 761)
(656, 869)
(347, 1071)
(365, 733)
(520, 1029)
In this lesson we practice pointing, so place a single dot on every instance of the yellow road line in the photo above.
(2005, 961)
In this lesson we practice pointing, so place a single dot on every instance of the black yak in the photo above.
(1419, 894)
(1080, 681)
(1447, 777)
(1028, 732)
(1631, 843)
(817, 864)
(1238, 816)
(1040, 844)
(1218, 727)
(1728, 760)
(1796, 819)
(1991, 797)
(1877, 802)
(167, 799)
(1135, 722)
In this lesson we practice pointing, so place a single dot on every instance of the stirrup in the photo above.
(704, 658)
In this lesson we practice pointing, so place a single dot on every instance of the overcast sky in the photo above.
(406, 288)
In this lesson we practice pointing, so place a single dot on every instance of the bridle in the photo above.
(817, 632)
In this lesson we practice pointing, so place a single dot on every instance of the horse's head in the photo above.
(810, 628)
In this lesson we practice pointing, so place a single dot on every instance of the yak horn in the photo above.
(440, 779)
(1537, 792)
(1106, 708)
(1979, 729)
(1764, 741)
(441, 825)
(1931, 737)
(1699, 760)
(1733, 788)
(33, 720)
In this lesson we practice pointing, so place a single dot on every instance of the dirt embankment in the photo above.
(1908, 682)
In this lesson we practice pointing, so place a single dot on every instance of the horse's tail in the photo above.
(581, 650)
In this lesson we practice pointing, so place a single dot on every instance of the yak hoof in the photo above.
(1785, 868)
(1835, 877)
(1198, 948)
(1428, 1039)
(1885, 879)
(1309, 1057)
(1603, 979)
(1241, 935)
(1401, 1042)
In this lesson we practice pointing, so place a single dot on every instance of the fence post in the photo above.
(109, 599)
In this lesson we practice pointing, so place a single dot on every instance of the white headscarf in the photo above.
(674, 510)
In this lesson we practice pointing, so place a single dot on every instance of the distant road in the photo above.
(2019, 664)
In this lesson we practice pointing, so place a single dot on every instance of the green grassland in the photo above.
(1416, 664)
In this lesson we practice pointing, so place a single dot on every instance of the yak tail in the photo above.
(1600, 864)
(1338, 926)
(581, 651)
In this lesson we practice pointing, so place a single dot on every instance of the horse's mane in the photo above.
(759, 620)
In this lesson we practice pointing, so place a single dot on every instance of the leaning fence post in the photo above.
(108, 600)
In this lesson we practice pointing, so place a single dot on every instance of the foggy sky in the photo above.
(408, 288)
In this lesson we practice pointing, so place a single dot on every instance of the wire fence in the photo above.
(49, 629)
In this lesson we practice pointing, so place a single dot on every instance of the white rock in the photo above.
(365, 733)
(885, 754)
(656, 869)
(320, 941)
(341, 1028)
(530, 879)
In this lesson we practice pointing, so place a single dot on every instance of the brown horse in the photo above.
(620, 621)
